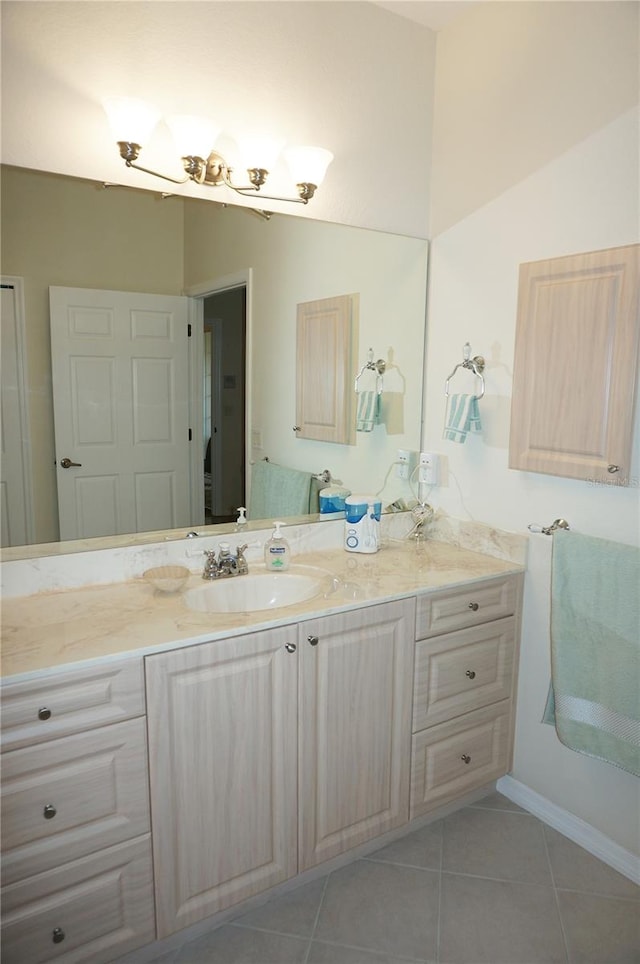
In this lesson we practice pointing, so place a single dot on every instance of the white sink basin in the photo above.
(255, 591)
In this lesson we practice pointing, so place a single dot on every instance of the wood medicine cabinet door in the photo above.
(575, 365)
(324, 369)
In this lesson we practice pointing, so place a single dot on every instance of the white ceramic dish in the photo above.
(167, 578)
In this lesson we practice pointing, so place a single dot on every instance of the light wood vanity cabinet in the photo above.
(76, 847)
(269, 753)
(463, 698)
(272, 752)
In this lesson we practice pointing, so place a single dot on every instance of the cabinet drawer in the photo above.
(71, 702)
(73, 796)
(453, 758)
(93, 909)
(463, 671)
(480, 602)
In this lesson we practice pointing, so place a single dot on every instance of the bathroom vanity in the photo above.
(161, 765)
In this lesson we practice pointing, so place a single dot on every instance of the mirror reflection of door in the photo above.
(224, 368)
(121, 411)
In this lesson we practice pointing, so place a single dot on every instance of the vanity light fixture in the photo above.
(132, 121)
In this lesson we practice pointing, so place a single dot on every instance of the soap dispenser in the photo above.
(276, 550)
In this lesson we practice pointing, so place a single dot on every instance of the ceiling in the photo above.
(434, 14)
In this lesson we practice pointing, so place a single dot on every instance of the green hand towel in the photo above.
(277, 491)
(595, 648)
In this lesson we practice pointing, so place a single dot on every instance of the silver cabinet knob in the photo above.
(57, 935)
(44, 713)
(296, 428)
(613, 468)
(470, 673)
(465, 758)
(312, 640)
(290, 647)
(49, 812)
(474, 606)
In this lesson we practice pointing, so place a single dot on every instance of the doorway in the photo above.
(224, 403)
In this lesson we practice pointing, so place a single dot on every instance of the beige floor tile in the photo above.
(242, 945)
(423, 848)
(382, 907)
(498, 922)
(339, 954)
(497, 801)
(501, 845)
(294, 913)
(576, 869)
(600, 930)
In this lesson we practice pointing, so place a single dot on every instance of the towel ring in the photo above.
(378, 366)
(475, 365)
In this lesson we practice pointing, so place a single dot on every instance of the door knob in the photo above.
(67, 463)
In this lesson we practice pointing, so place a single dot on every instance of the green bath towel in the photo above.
(594, 700)
(277, 491)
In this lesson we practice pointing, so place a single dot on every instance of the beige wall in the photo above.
(295, 260)
(60, 231)
(518, 83)
(562, 72)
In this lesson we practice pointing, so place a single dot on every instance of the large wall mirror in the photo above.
(60, 231)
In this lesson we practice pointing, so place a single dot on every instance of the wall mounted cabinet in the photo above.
(576, 365)
(325, 349)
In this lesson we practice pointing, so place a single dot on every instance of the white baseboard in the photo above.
(573, 827)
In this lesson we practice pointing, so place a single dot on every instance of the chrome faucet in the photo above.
(226, 564)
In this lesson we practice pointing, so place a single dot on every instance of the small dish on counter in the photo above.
(167, 578)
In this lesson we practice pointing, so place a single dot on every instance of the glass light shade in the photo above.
(258, 151)
(194, 136)
(131, 120)
(308, 165)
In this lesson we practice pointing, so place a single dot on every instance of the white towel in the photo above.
(368, 411)
(462, 417)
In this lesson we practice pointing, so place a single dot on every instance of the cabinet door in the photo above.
(90, 910)
(71, 797)
(453, 758)
(575, 365)
(222, 750)
(324, 369)
(355, 720)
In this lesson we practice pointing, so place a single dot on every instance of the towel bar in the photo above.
(548, 530)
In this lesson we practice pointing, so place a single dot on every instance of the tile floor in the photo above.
(489, 884)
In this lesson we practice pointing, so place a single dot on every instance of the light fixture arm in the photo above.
(129, 153)
(214, 172)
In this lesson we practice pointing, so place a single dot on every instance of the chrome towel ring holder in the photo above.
(475, 365)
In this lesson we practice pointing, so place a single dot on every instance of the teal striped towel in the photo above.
(462, 417)
(594, 700)
(368, 413)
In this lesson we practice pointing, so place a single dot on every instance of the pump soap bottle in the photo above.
(276, 550)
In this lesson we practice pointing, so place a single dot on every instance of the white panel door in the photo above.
(14, 488)
(121, 410)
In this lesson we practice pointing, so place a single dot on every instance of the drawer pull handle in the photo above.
(313, 640)
(44, 713)
(474, 606)
(465, 758)
(470, 673)
(58, 935)
(290, 647)
(49, 811)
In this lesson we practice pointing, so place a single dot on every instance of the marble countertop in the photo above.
(64, 628)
